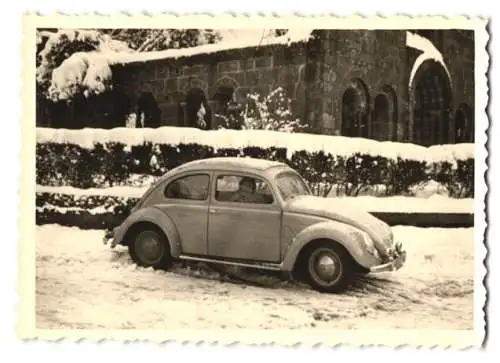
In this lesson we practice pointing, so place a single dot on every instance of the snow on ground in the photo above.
(335, 145)
(432, 204)
(80, 283)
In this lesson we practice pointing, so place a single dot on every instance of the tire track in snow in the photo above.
(81, 283)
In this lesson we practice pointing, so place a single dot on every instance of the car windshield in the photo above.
(291, 185)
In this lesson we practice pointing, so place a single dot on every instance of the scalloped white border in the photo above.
(387, 337)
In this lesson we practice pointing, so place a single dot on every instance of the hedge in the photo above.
(113, 163)
(106, 212)
(72, 210)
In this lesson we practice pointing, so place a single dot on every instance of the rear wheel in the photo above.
(330, 267)
(150, 248)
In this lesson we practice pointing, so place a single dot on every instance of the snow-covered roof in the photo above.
(248, 39)
(429, 52)
(92, 70)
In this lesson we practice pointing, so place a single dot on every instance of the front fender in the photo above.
(349, 237)
(155, 216)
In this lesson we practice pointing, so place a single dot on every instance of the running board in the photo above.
(265, 266)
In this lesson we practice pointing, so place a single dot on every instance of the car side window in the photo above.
(191, 187)
(242, 189)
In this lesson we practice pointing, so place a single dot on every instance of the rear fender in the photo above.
(341, 233)
(155, 216)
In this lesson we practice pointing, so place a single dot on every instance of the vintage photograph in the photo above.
(252, 179)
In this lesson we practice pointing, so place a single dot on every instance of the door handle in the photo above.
(213, 211)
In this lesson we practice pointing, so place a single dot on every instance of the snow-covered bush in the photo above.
(58, 164)
(113, 163)
(91, 212)
(82, 73)
(271, 112)
(357, 174)
(59, 47)
(75, 61)
(147, 39)
(79, 60)
(458, 180)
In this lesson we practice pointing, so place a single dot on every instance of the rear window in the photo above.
(190, 187)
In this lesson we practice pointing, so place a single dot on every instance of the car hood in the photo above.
(339, 210)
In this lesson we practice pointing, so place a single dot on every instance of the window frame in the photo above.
(184, 176)
(239, 174)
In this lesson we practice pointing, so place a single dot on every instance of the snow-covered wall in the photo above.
(335, 145)
(374, 61)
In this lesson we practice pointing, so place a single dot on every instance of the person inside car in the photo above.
(246, 192)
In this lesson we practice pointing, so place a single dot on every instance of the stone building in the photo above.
(410, 86)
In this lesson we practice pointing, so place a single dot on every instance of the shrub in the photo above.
(113, 163)
(108, 211)
(105, 212)
(271, 112)
(458, 180)
(345, 166)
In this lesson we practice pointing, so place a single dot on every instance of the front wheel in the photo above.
(329, 267)
(150, 248)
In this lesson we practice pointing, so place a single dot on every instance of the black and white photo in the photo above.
(229, 177)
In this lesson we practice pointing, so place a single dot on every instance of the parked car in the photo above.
(259, 214)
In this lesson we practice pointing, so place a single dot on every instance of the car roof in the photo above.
(225, 163)
(220, 163)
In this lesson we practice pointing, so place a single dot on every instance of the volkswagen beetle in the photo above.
(255, 213)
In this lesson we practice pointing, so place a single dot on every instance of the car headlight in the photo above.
(370, 245)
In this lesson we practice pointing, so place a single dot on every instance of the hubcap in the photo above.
(325, 267)
(149, 249)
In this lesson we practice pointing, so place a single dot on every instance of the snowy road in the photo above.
(80, 283)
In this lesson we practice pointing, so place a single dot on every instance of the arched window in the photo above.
(222, 97)
(197, 112)
(224, 104)
(431, 96)
(355, 101)
(384, 115)
(380, 117)
(148, 113)
(224, 107)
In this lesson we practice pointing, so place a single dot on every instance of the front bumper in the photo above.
(397, 259)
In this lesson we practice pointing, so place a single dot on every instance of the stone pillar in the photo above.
(314, 80)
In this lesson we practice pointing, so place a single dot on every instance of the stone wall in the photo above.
(370, 62)
(245, 71)
(347, 82)
(314, 75)
(458, 51)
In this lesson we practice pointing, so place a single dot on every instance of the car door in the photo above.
(242, 228)
(186, 201)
